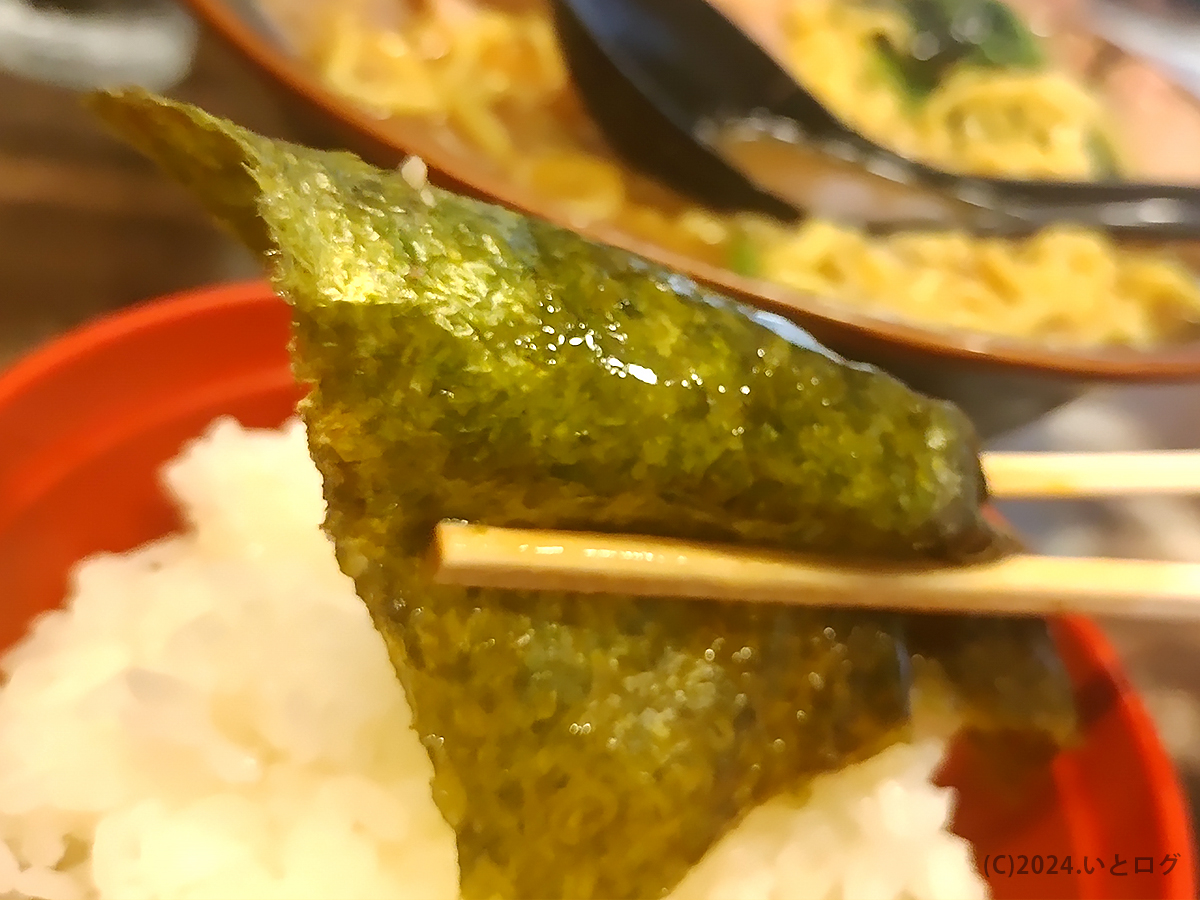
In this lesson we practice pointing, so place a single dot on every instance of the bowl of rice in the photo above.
(194, 702)
(1006, 328)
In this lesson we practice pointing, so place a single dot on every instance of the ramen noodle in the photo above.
(493, 80)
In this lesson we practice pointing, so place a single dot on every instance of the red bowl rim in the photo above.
(1167, 803)
(112, 328)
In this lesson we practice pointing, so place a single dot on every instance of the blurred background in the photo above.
(86, 223)
(87, 226)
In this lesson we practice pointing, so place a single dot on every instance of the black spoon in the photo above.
(686, 96)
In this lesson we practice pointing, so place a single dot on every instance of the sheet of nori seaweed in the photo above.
(468, 362)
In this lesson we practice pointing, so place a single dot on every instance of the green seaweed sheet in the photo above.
(471, 363)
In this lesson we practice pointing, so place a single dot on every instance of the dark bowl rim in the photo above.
(1169, 363)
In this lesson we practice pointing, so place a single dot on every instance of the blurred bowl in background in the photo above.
(1001, 383)
(87, 44)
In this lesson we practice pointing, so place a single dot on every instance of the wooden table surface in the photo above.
(87, 224)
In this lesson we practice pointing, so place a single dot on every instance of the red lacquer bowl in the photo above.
(86, 421)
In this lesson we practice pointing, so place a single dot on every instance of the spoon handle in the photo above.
(1122, 209)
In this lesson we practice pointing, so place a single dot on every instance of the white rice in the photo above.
(213, 716)
(414, 171)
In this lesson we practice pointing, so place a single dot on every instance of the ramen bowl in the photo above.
(1001, 383)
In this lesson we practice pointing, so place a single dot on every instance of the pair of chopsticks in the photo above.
(1020, 585)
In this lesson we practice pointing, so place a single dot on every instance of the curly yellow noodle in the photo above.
(1020, 124)
(831, 48)
(499, 85)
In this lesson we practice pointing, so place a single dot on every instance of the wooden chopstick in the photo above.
(1063, 475)
(1021, 585)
